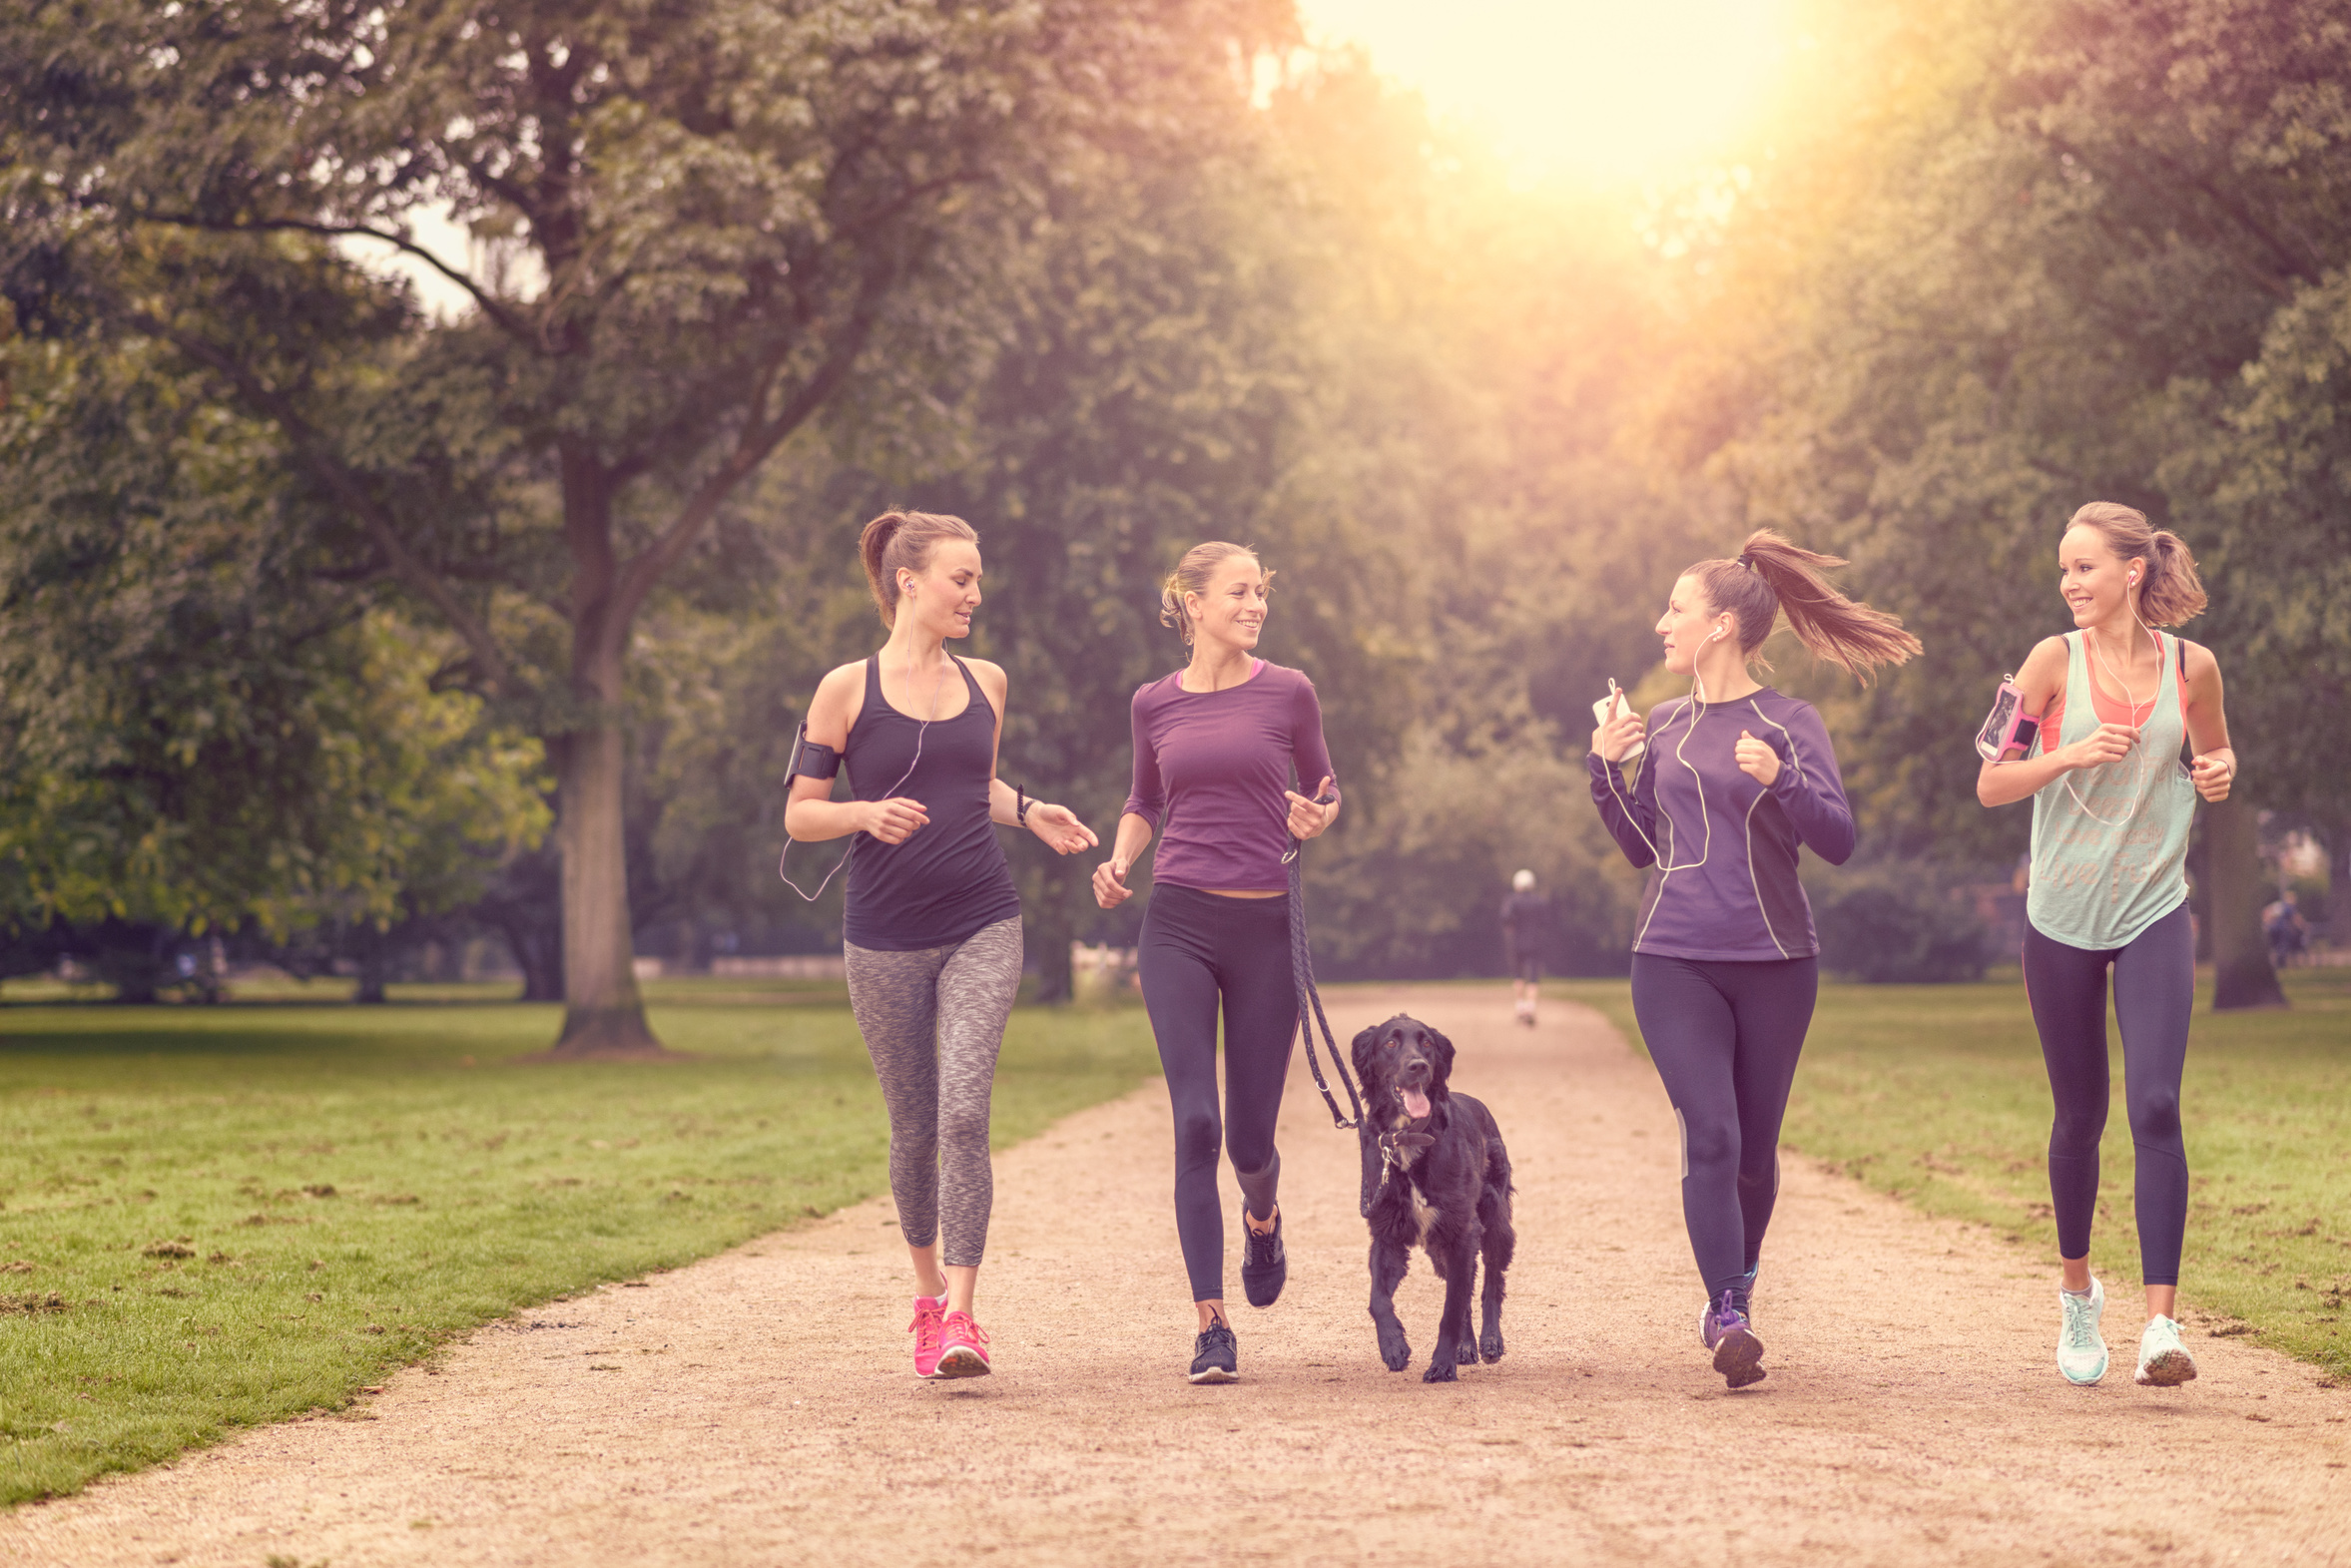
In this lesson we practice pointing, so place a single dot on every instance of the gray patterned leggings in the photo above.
(934, 1021)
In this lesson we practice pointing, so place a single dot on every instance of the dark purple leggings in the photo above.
(2154, 992)
(1725, 1037)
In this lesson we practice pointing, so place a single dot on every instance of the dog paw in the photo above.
(1440, 1371)
(1490, 1347)
(1467, 1355)
(1395, 1352)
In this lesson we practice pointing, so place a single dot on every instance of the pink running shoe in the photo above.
(963, 1347)
(929, 1312)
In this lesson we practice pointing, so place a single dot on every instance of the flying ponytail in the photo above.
(1773, 577)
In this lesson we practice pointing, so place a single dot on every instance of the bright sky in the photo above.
(1609, 89)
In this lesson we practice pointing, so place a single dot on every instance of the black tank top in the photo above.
(950, 880)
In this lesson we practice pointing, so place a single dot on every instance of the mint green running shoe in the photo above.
(2082, 1350)
(2164, 1362)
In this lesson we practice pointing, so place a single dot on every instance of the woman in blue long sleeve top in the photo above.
(1725, 966)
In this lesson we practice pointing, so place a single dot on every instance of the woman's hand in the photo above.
(2109, 742)
(1111, 889)
(1308, 819)
(1059, 828)
(1756, 760)
(1619, 735)
(2212, 771)
(893, 821)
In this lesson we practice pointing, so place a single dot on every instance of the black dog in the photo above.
(1435, 1173)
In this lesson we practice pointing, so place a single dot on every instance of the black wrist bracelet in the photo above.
(1021, 805)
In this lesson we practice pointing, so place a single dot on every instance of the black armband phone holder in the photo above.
(810, 758)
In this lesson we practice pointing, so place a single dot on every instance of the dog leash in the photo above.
(1309, 1001)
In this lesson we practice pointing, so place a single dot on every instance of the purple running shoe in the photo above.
(1738, 1355)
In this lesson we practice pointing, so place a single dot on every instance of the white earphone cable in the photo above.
(924, 728)
(2131, 704)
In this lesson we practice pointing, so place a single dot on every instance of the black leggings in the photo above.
(1725, 1038)
(1198, 950)
(2154, 992)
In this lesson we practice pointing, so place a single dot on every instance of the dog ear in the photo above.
(1444, 1058)
(1360, 1050)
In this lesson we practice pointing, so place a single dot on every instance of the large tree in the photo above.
(2020, 257)
(199, 732)
(697, 224)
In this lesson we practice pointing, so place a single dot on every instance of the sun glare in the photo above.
(1598, 89)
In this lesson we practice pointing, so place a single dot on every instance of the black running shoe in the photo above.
(1213, 1360)
(1264, 1264)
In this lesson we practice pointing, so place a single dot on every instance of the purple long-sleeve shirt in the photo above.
(1724, 846)
(1214, 765)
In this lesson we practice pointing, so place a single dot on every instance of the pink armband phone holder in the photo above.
(2007, 727)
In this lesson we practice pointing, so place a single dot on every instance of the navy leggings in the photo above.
(1202, 952)
(1725, 1038)
(2154, 992)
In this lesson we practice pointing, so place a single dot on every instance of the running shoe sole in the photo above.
(960, 1361)
(1736, 1355)
(2168, 1371)
(1213, 1374)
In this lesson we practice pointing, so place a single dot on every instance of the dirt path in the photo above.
(755, 1408)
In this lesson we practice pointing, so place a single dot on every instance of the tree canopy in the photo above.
(1107, 277)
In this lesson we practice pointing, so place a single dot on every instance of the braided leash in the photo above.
(1309, 1001)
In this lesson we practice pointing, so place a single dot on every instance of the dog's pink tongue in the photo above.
(1416, 1105)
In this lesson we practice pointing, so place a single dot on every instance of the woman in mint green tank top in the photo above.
(2113, 802)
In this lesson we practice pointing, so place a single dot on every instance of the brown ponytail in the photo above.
(902, 541)
(1191, 576)
(1772, 577)
(2169, 592)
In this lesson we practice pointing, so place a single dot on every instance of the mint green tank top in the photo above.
(2110, 844)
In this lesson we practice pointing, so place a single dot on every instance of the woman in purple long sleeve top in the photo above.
(1216, 743)
(1725, 968)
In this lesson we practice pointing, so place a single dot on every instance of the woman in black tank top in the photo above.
(932, 935)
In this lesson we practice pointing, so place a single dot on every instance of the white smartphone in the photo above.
(1614, 705)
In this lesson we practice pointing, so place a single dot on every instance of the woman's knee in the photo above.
(964, 1127)
(2154, 1117)
(2077, 1129)
(1710, 1145)
(1197, 1134)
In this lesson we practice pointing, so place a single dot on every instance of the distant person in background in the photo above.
(2282, 923)
(1526, 926)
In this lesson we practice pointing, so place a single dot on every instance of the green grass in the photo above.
(213, 1218)
(1937, 1094)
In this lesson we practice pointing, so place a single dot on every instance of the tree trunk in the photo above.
(2242, 973)
(1052, 929)
(2337, 926)
(603, 1016)
(538, 953)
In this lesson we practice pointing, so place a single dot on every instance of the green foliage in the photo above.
(1414, 887)
(1899, 930)
(232, 1216)
(2012, 260)
(693, 228)
(195, 733)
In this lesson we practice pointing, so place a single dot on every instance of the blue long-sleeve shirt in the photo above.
(1723, 846)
